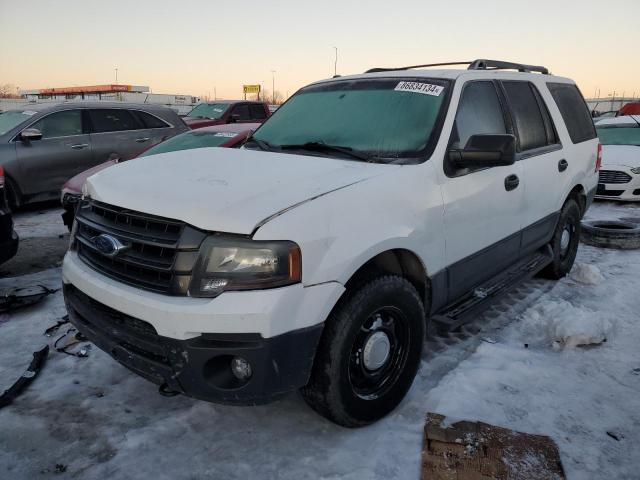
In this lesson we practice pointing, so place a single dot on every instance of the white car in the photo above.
(620, 174)
(366, 209)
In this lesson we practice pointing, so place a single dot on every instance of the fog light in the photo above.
(241, 368)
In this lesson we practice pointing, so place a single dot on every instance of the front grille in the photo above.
(160, 253)
(614, 176)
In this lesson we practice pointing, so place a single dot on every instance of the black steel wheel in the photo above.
(565, 241)
(369, 352)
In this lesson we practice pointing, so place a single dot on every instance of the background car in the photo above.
(226, 136)
(620, 174)
(221, 112)
(42, 146)
(8, 237)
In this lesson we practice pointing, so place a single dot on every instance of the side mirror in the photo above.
(29, 134)
(234, 117)
(485, 151)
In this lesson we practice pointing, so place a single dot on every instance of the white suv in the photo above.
(366, 209)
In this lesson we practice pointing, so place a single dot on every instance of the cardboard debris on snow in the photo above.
(478, 451)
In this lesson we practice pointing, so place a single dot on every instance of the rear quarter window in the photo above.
(574, 111)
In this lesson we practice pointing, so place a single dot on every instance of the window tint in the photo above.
(479, 112)
(526, 114)
(257, 112)
(60, 124)
(574, 111)
(150, 121)
(112, 120)
(242, 111)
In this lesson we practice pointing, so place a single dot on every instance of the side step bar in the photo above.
(465, 310)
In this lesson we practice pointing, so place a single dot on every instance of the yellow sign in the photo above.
(251, 88)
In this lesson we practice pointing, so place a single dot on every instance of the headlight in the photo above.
(233, 263)
(636, 170)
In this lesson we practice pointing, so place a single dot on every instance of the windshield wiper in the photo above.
(323, 147)
(266, 146)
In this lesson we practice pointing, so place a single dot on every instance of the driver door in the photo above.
(64, 148)
(483, 208)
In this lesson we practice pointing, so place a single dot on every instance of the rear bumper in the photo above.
(198, 367)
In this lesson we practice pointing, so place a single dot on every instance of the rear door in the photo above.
(116, 133)
(61, 153)
(483, 208)
(155, 130)
(543, 162)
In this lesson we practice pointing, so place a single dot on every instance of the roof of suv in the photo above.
(476, 68)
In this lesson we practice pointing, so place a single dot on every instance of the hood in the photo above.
(224, 190)
(74, 184)
(194, 122)
(621, 155)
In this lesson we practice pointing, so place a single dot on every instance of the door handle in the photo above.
(142, 140)
(562, 165)
(79, 146)
(511, 182)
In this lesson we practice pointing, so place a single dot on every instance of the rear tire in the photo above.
(369, 352)
(565, 241)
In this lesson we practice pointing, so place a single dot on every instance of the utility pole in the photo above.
(116, 75)
(335, 63)
(273, 86)
(215, 95)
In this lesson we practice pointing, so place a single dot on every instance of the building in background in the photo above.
(112, 92)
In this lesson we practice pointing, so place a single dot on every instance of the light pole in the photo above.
(335, 63)
(273, 86)
(116, 75)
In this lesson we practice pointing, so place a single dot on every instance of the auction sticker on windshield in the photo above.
(418, 87)
(225, 134)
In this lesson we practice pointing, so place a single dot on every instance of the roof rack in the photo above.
(480, 64)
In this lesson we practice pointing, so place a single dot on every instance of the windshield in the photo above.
(13, 118)
(190, 140)
(622, 134)
(383, 118)
(208, 110)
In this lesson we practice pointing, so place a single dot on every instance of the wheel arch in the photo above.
(578, 194)
(397, 261)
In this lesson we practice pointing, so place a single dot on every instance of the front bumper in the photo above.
(200, 366)
(629, 191)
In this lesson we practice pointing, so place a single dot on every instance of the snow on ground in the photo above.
(521, 371)
(39, 222)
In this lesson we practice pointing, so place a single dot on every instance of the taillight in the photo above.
(599, 158)
(1, 176)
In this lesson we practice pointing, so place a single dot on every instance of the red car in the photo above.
(226, 136)
(222, 112)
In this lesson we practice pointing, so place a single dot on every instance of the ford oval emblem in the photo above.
(109, 245)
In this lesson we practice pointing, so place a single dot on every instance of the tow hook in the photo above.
(165, 391)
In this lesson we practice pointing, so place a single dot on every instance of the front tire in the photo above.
(369, 352)
(565, 241)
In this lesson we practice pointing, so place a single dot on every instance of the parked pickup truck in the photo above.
(226, 111)
(368, 210)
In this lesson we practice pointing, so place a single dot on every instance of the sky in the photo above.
(202, 47)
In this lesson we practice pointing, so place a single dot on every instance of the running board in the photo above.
(466, 310)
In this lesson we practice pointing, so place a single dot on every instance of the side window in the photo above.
(527, 117)
(257, 112)
(479, 112)
(60, 124)
(150, 121)
(574, 111)
(112, 120)
(242, 111)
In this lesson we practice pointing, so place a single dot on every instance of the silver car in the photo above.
(43, 145)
